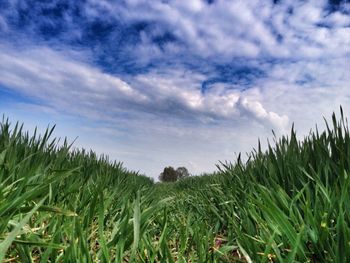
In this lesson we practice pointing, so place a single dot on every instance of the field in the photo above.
(287, 204)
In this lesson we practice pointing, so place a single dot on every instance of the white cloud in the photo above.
(219, 32)
(257, 110)
(63, 83)
(227, 29)
(60, 81)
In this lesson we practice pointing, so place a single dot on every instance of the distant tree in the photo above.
(168, 175)
(182, 172)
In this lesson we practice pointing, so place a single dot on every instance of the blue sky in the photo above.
(181, 83)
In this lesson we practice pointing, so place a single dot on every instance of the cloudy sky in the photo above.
(159, 82)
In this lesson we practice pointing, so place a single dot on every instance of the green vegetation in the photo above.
(288, 204)
(169, 174)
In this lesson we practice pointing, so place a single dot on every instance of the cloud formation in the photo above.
(149, 30)
(63, 83)
(181, 72)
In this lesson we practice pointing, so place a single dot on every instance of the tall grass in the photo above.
(286, 204)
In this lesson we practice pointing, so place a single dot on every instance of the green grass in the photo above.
(287, 204)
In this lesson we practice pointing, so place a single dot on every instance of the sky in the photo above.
(155, 83)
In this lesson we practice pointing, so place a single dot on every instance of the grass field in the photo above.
(290, 203)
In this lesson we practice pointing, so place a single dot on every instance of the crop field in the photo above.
(290, 203)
